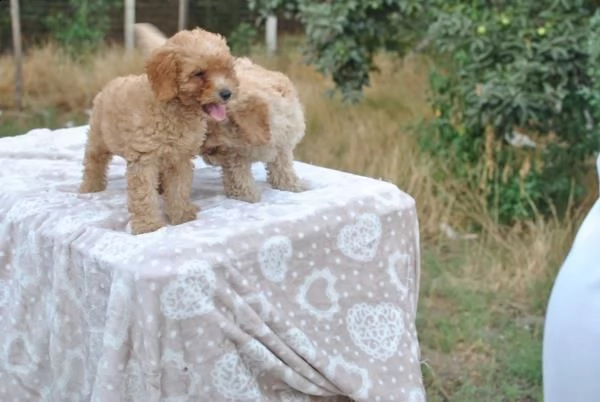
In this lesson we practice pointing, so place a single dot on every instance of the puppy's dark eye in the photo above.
(199, 74)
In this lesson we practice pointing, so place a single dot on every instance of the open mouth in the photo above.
(210, 151)
(216, 110)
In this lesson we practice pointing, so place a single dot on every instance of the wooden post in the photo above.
(183, 14)
(271, 34)
(15, 20)
(129, 23)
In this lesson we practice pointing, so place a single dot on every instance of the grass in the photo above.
(482, 301)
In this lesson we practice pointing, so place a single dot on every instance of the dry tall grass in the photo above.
(52, 79)
(477, 295)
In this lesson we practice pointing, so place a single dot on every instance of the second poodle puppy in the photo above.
(157, 122)
(265, 123)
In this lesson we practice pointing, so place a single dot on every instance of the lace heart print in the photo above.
(376, 329)
(191, 294)
(300, 342)
(19, 355)
(72, 383)
(67, 224)
(32, 205)
(232, 378)
(116, 248)
(274, 256)
(360, 240)
(257, 357)
(252, 314)
(355, 380)
(398, 271)
(321, 303)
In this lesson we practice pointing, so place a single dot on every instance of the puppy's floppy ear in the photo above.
(162, 68)
(252, 118)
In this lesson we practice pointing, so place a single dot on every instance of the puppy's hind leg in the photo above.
(95, 163)
(281, 174)
(177, 186)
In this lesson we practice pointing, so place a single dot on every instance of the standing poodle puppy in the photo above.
(264, 123)
(157, 122)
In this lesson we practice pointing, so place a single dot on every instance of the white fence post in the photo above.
(183, 14)
(271, 34)
(129, 23)
(15, 19)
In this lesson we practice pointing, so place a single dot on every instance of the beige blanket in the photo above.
(300, 297)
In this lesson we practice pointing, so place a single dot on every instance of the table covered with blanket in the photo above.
(300, 297)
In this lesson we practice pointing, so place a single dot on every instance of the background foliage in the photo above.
(519, 69)
(78, 25)
(510, 68)
(343, 37)
(82, 27)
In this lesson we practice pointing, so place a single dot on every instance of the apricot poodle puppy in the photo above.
(264, 123)
(157, 122)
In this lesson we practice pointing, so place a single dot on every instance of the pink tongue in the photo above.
(217, 111)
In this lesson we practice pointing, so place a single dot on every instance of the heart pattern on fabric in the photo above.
(73, 379)
(317, 308)
(19, 355)
(358, 383)
(360, 239)
(191, 293)
(253, 313)
(114, 249)
(398, 266)
(296, 380)
(274, 256)
(232, 378)
(376, 329)
(300, 342)
(68, 224)
(257, 357)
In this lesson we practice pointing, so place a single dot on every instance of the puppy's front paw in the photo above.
(294, 186)
(141, 226)
(90, 187)
(251, 195)
(189, 213)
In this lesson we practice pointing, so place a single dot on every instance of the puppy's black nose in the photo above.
(225, 94)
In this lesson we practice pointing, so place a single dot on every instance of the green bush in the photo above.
(242, 38)
(509, 68)
(78, 25)
(342, 37)
(82, 25)
(531, 67)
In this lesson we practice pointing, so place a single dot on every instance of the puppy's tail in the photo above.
(148, 37)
